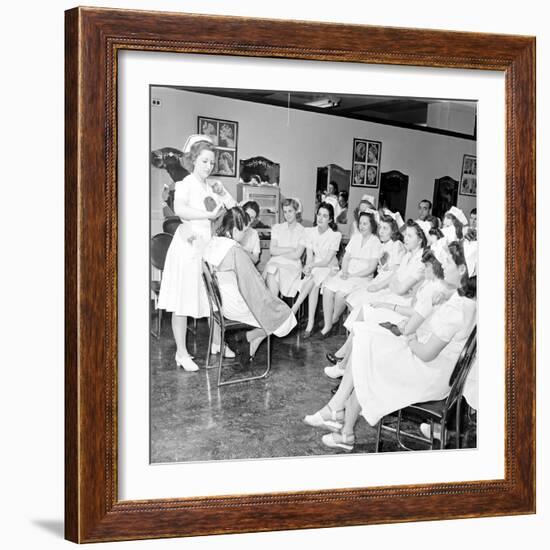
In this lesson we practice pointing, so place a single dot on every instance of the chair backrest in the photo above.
(212, 291)
(462, 369)
(170, 224)
(159, 248)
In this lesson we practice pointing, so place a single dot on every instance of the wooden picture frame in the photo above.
(93, 511)
(468, 176)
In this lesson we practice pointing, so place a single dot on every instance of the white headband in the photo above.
(195, 138)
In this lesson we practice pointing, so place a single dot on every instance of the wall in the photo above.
(304, 141)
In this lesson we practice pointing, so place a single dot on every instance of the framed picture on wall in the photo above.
(224, 134)
(468, 177)
(366, 163)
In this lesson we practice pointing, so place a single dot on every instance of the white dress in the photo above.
(410, 267)
(182, 289)
(360, 255)
(322, 245)
(251, 241)
(287, 271)
(387, 376)
(391, 254)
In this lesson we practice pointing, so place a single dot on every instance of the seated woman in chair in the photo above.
(282, 271)
(389, 372)
(322, 242)
(359, 264)
(245, 298)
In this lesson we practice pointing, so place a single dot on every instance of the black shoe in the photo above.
(332, 358)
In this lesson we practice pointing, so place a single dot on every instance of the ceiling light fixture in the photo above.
(324, 103)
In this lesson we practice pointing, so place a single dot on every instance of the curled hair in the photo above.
(357, 210)
(335, 186)
(197, 148)
(434, 221)
(253, 205)
(396, 235)
(457, 224)
(428, 257)
(291, 202)
(372, 221)
(418, 230)
(234, 217)
(328, 207)
(436, 232)
(468, 285)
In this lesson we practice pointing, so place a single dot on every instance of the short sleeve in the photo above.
(424, 301)
(255, 243)
(446, 322)
(334, 243)
(350, 245)
(306, 239)
(375, 249)
(276, 233)
(397, 253)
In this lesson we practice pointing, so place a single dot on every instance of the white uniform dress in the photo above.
(360, 255)
(322, 245)
(391, 254)
(410, 267)
(287, 271)
(182, 289)
(387, 376)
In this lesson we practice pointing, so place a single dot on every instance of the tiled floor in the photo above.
(194, 420)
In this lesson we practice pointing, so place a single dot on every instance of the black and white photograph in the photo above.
(308, 303)
(468, 178)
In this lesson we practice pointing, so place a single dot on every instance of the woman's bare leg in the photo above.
(328, 306)
(273, 284)
(255, 337)
(179, 328)
(343, 351)
(353, 408)
(339, 306)
(312, 307)
(302, 295)
(338, 401)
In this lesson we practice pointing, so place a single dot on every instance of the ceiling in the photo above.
(404, 112)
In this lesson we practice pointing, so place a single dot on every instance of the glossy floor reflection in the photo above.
(194, 420)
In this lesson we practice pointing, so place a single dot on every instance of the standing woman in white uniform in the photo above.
(322, 242)
(282, 271)
(197, 202)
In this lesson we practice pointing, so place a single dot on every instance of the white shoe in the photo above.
(228, 353)
(186, 363)
(339, 441)
(335, 371)
(333, 424)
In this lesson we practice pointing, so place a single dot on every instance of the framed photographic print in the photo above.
(468, 176)
(366, 163)
(152, 437)
(224, 135)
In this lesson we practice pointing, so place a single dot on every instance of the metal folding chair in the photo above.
(435, 412)
(159, 248)
(225, 325)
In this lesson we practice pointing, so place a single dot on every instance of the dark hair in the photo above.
(252, 205)
(356, 212)
(328, 207)
(372, 221)
(427, 201)
(434, 221)
(234, 217)
(468, 285)
(457, 224)
(197, 148)
(437, 232)
(335, 185)
(421, 235)
(428, 257)
(396, 235)
(473, 211)
(344, 194)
